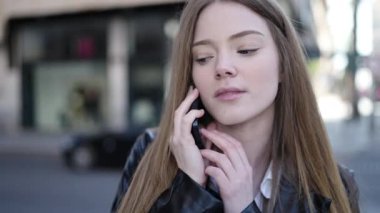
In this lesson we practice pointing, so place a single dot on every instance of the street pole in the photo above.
(353, 64)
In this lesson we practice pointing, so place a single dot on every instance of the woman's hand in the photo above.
(231, 170)
(182, 145)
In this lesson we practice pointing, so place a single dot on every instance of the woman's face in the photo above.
(235, 63)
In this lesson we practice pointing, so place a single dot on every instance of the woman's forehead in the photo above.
(226, 19)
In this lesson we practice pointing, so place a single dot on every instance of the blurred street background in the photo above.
(79, 79)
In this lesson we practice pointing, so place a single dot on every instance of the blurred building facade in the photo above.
(87, 65)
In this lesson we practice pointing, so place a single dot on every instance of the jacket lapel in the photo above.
(290, 201)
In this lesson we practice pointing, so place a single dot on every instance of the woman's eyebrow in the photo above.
(245, 33)
(232, 37)
(203, 42)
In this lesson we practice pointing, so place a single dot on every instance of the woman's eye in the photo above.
(247, 51)
(203, 60)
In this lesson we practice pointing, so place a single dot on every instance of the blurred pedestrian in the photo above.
(265, 148)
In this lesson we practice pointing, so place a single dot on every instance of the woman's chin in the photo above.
(229, 120)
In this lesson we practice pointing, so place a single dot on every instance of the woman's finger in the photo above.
(227, 148)
(219, 176)
(221, 161)
(188, 119)
(183, 109)
(208, 143)
(211, 126)
(238, 146)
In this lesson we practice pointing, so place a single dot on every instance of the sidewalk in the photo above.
(347, 136)
(353, 136)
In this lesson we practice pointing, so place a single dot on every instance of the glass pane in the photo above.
(70, 95)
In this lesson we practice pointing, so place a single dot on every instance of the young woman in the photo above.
(266, 148)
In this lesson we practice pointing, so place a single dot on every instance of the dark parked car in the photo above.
(106, 149)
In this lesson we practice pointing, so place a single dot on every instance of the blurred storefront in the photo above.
(90, 65)
(91, 70)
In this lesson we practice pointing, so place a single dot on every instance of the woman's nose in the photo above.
(225, 68)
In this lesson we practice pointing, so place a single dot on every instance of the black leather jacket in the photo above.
(185, 195)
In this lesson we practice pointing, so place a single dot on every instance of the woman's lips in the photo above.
(228, 94)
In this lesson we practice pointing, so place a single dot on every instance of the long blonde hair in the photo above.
(300, 148)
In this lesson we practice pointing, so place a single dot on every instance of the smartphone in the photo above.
(196, 125)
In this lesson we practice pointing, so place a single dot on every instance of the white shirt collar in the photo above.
(266, 183)
(265, 188)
